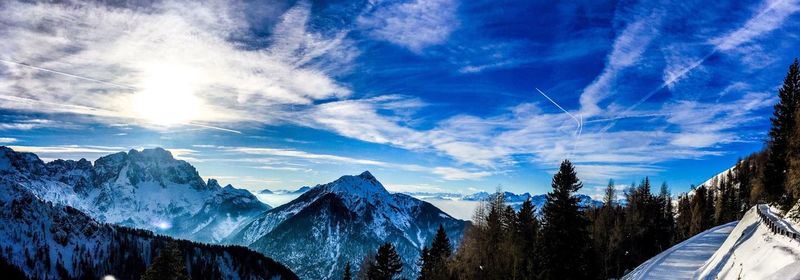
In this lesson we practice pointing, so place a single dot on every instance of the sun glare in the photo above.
(167, 96)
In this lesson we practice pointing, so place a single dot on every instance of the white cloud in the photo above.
(304, 155)
(446, 173)
(7, 140)
(416, 24)
(413, 188)
(126, 45)
(453, 174)
(627, 50)
(525, 133)
(771, 15)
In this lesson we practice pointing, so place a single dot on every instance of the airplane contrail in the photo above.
(68, 74)
(578, 131)
(687, 69)
(579, 122)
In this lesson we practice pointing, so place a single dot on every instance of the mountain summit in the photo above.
(341, 222)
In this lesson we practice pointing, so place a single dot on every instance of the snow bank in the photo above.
(752, 251)
(682, 260)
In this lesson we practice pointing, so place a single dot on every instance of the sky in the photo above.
(429, 96)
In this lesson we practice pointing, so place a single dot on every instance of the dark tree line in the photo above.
(573, 242)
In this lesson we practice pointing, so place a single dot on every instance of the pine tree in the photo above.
(441, 249)
(366, 266)
(425, 264)
(168, 265)
(667, 221)
(783, 125)
(434, 260)
(566, 243)
(387, 264)
(610, 194)
(701, 211)
(347, 274)
(525, 240)
(683, 223)
(603, 224)
(744, 176)
(791, 87)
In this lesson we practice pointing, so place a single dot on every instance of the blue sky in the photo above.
(436, 95)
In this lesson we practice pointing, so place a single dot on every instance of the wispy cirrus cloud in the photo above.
(414, 25)
(627, 50)
(268, 163)
(771, 15)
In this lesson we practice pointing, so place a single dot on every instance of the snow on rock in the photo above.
(752, 251)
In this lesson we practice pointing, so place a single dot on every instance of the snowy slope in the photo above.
(43, 240)
(146, 189)
(684, 259)
(317, 233)
(752, 251)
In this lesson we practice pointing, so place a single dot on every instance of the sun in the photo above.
(166, 96)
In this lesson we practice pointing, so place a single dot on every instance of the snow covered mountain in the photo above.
(146, 189)
(44, 240)
(301, 190)
(331, 224)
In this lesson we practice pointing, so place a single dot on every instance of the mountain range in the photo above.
(46, 239)
(315, 234)
(512, 199)
(146, 189)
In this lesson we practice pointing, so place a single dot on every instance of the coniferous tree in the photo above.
(434, 260)
(565, 237)
(778, 146)
(791, 87)
(168, 265)
(347, 274)
(366, 266)
(683, 222)
(702, 213)
(525, 241)
(743, 175)
(642, 220)
(387, 264)
(605, 237)
(667, 218)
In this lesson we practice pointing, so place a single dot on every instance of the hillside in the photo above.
(760, 247)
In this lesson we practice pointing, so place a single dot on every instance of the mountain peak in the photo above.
(363, 186)
(367, 175)
(152, 154)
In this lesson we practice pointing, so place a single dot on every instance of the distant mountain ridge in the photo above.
(301, 190)
(340, 222)
(146, 189)
(512, 199)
